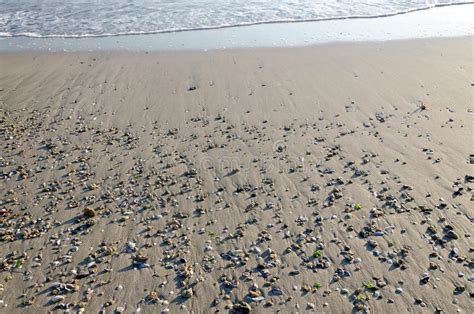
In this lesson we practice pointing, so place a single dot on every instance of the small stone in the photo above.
(242, 306)
(89, 212)
(258, 299)
(188, 293)
(255, 293)
(425, 278)
(306, 288)
(58, 298)
(228, 305)
(459, 289)
(276, 291)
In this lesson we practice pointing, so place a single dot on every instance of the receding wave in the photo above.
(33, 19)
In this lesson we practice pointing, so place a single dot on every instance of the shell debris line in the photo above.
(348, 207)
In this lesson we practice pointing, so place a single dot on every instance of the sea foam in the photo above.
(98, 18)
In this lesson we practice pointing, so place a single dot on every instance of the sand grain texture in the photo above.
(329, 179)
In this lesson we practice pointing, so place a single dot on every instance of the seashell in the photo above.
(258, 299)
(188, 293)
(58, 298)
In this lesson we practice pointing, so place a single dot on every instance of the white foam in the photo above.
(448, 21)
(93, 18)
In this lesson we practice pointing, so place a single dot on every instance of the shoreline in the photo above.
(435, 6)
(325, 45)
(415, 25)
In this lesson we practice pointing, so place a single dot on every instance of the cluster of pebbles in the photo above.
(227, 216)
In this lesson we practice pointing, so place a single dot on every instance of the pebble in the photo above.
(298, 228)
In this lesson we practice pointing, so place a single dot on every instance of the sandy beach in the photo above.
(328, 179)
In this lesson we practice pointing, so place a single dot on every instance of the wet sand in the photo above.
(330, 179)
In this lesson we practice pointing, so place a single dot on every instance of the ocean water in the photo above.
(97, 18)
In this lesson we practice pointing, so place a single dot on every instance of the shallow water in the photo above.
(450, 21)
(89, 18)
